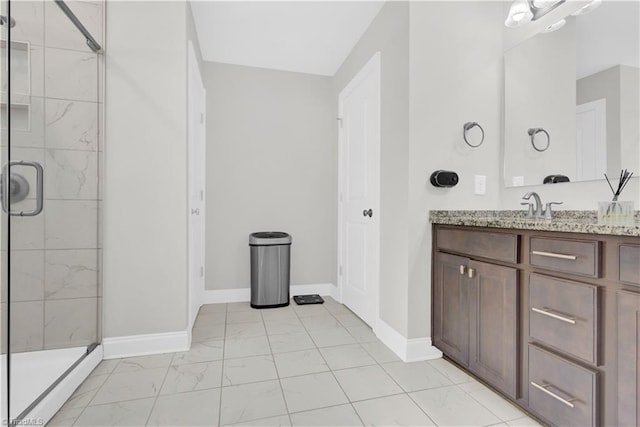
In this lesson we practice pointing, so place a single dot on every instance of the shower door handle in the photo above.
(39, 187)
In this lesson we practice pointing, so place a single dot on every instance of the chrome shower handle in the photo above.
(39, 187)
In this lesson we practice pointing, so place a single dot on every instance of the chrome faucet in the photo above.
(538, 211)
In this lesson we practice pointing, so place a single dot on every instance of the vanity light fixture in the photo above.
(522, 12)
(553, 27)
(588, 8)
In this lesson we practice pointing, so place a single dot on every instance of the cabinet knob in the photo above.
(471, 273)
(462, 269)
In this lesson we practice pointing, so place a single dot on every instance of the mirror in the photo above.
(577, 90)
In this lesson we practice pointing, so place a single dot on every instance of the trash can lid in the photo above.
(267, 238)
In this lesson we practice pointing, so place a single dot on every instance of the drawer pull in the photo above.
(554, 255)
(548, 312)
(543, 388)
(462, 269)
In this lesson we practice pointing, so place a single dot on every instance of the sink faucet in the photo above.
(538, 211)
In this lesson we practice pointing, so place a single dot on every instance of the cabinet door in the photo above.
(451, 307)
(493, 324)
(628, 358)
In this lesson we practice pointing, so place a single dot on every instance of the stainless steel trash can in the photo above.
(270, 263)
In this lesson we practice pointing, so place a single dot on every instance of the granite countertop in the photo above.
(564, 221)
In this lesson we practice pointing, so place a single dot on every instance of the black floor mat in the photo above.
(308, 299)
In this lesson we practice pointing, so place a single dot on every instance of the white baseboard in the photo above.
(409, 350)
(219, 296)
(53, 401)
(142, 345)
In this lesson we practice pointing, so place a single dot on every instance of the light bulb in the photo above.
(519, 14)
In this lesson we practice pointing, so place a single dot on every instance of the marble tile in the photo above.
(27, 326)
(71, 174)
(205, 320)
(331, 337)
(290, 342)
(130, 385)
(33, 137)
(346, 356)
(192, 377)
(60, 32)
(452, 406)
(86, 391)
(496, 404)
(309, 310)
(243, 316)
(70, 322)
(280, 313)
(349, 319)
(312, 392)
(380, 352)
(336, 308)
(27, 233)
(213, 308)
(71, 75)
(449, 370)
(29, 16)
(284, 326)
(106, 367)
(208, 333)
(65, 417)
(366, 382)
(127, 413)
(239, 306)
(72, 125)
(279, 421)
(134, 364)
(362, 333)
(71, 224)
(200, 352)
(248, 369)
(197, 408)
(397, 410)
(342, 415)
(300, 363)
(27, 275)
(251, 402)
(416, 375)
(71, 274)
(325, 321)
(524, 422)
(244, 347)
(245, 330)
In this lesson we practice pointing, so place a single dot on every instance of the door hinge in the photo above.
(201, 118)
(201, 195)
(340, 271)
(201, 271)
(339, 119)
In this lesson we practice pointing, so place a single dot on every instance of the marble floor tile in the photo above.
(249, 402)
(205, 320)
(312, 392)
(496, 404)
(349, 319)
(243, 316)
(366, 382)
(342, 415)
(346, 356)
(380, 352)
(300, 363)
(208, 333)
(397, 410)
(362, 333)
(524, 422)
(65, 417)
(239, 306)
(245, 330)
(279, 421)
(127, 413)
(244, 347)
(309, 310)
(284, 326)
(452, 406)
(192, 377)
(106, 367)
(132, 364)
(248, 370)
(325, 321)
(416, 376)
(87, 390)
(200, 352)
(449, 370)
(290, 342)
(213, 308)
(331, 337)
(130, 385)
(196, 408)
(282, 313)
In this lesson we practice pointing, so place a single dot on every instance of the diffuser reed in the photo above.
(616, 212)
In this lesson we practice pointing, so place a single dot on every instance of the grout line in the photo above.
(224, 350)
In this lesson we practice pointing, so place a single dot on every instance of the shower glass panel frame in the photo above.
(51, 153)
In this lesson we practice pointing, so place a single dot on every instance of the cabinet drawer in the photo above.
(629, 267)
(563, 314)
(498, 246)
(569, 256)
(561, 392)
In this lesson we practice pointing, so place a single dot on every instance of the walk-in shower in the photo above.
(51, 153)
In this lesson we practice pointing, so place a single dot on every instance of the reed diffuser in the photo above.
(617, 212)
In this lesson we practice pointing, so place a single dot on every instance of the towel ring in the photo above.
(467, 127)
(532, 134)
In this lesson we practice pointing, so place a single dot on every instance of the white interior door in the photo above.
(359, 192)
(591, 140)
(197, 168)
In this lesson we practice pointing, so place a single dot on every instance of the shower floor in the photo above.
(34, 371)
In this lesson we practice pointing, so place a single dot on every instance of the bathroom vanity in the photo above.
(546, 312)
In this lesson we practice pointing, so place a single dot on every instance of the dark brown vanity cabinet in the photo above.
(550, 319)
(475, 314)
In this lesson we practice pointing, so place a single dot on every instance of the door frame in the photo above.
(373, 66)
(195, 84)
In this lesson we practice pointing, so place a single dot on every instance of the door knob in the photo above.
(368, 213)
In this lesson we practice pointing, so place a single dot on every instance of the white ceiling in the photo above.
(303, 36)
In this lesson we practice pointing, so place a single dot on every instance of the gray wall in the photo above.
(389, 34)
(271, 165)
(145, 211)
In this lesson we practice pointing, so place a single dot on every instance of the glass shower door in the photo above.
(51, 203)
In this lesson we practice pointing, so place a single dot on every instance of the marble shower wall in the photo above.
(55, 256)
